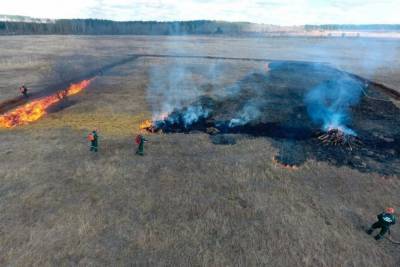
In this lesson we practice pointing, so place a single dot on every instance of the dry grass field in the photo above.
(187, 202)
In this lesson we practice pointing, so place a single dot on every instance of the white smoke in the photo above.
(193, 114)
(245, 115)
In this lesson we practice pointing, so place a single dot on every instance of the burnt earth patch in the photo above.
(285, 122)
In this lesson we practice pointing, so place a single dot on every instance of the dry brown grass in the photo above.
(117, 125)
(187, 202)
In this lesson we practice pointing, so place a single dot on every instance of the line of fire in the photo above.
(36, 109)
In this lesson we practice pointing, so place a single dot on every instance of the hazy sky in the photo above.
(283, 12)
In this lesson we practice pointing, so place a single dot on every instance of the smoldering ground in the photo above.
(290, 105)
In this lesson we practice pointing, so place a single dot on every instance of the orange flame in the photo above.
(149, 125)
(146, 125)
(36, 109)
(285, 166)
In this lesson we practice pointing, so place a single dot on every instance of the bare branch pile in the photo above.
(336, 137)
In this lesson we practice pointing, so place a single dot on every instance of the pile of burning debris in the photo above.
(337, 137)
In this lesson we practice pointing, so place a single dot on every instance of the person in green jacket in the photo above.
(385, 220)
(140, 140)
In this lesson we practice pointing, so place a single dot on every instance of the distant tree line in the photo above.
(354, 27)
(107, 27)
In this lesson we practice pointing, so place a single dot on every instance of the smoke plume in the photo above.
(329, 103)
(249, 113)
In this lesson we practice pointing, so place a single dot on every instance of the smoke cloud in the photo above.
(175, 94)
(329, 103)
(249, 113)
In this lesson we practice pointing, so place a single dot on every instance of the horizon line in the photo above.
(192, 20)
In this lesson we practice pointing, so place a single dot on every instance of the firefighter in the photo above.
(24, 91)
(93, 138)
(140, 140)
(385, 220)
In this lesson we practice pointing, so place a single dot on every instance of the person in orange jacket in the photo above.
(93, 138)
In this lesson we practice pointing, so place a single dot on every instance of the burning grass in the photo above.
(37, 108)
(287, 166)
(148, 126)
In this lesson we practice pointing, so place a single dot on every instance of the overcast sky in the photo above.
(282, 12)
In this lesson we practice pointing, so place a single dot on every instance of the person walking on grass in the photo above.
(140, 140)
(385, 220)
(93, 138)
(24, 91)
